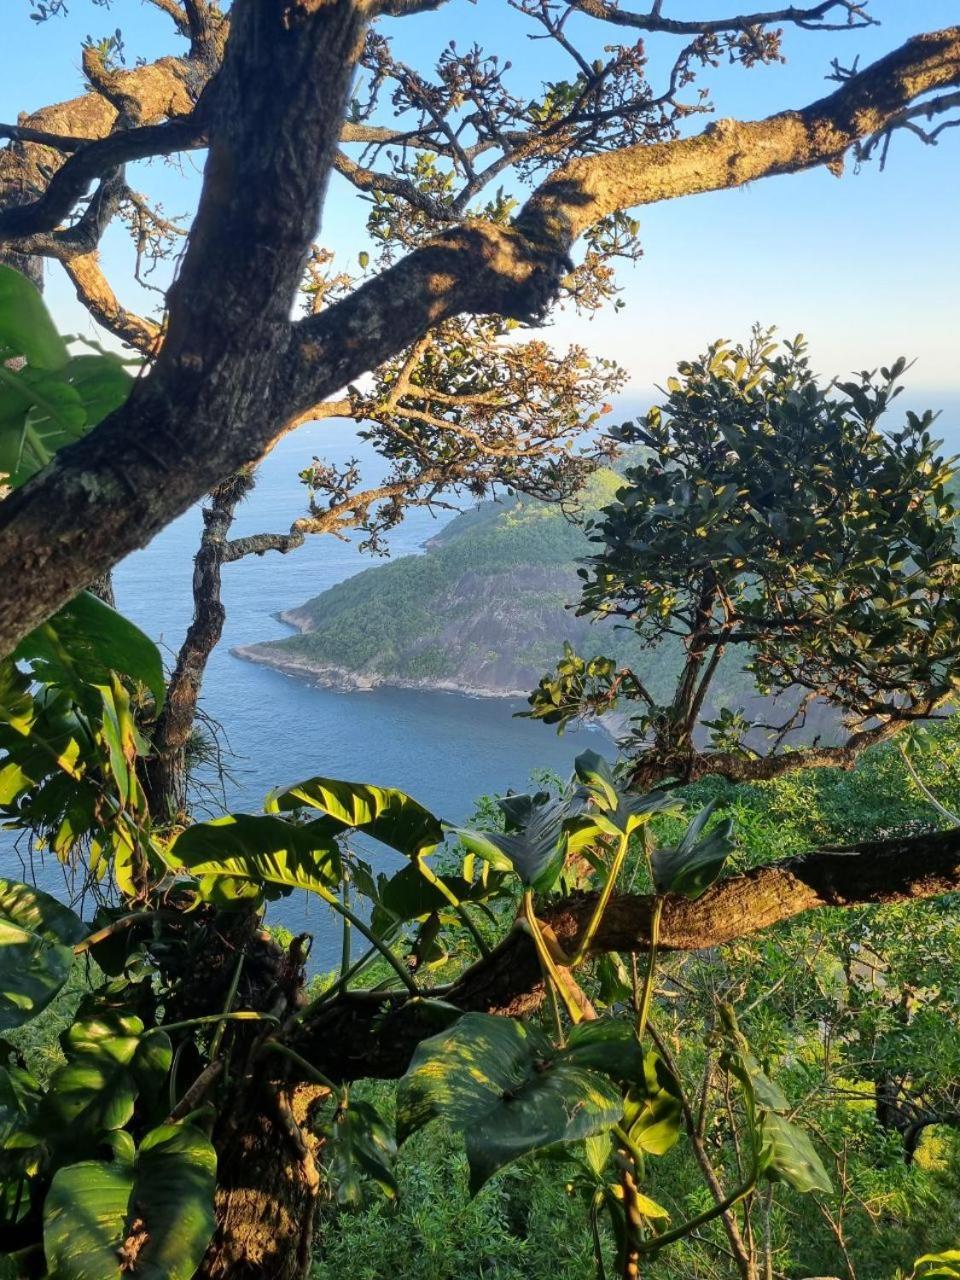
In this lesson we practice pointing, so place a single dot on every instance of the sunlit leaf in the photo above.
(259, 848)
(388, 815)
(506, 1087)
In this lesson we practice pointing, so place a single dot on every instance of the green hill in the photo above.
(485, 610)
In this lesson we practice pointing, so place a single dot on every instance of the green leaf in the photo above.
(37, 934)
(83, 1221)
(25, 325)
(110, 1063)
(607, 1046)
(536, 851)
(788, 1155)
(652, 1113)
(693, 865)
(102, 384)
(176, 1174)
(37, 911)
(388, 815)
(505, 1085)
(260, 848)
(358, 1151)
(150, 1222)
(86, 641)
(597, 776)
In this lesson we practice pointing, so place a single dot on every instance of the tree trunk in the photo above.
(268, 1185)
(167, 771)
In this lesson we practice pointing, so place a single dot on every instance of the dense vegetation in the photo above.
(841, 1001)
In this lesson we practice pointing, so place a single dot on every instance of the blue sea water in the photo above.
(444, 749)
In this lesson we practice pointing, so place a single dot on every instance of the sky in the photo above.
(866, 266)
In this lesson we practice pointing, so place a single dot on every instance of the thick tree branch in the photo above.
(71, 181)
(729, 152)
(371, 1035)
(94, 291)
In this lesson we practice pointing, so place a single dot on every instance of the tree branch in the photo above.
(366, 1034)
(812, 17)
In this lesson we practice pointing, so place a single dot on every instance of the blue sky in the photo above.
(866, 266)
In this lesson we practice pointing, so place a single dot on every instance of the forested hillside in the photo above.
(485, 610)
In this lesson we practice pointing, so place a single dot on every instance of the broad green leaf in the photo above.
(607, 1046)
(408, 895)
(788, 1155)
(151, 1221)
(652, 1112)
(358, 1152)
(616, 811)
(536, 851)
(388, 815)
(32, 909)
(102, 383)
(110, 1063)
(176, 1172)
(36, 952)
(19, 1095)
(25, 325)
(505, 1085)
(693, 865)
(597, 776)
(83, 1221)
(86, 641)
(260, 848)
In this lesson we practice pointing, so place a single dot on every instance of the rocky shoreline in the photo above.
(329, 676)
(342, 680)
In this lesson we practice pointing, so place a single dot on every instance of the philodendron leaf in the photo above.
(607, 1046)
(785, 1153)
(25, 325)
(33, 909)
(788, 1155)
(388, 815)
(259, 848)
(358, 1153)
(151, 1221)
(507, 1088)
(692, 866)
(37, 934)
(616, 811)
(535, 851)
(111, 1061)
(83, 1221)
(652, 1112)
(597, 776)
(87, 640)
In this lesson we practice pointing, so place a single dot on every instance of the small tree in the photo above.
(775, 517)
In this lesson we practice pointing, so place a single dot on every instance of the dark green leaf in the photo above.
(693, 865)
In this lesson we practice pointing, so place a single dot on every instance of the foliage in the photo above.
(775, 514)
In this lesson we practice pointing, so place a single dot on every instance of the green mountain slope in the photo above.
(485, 610)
